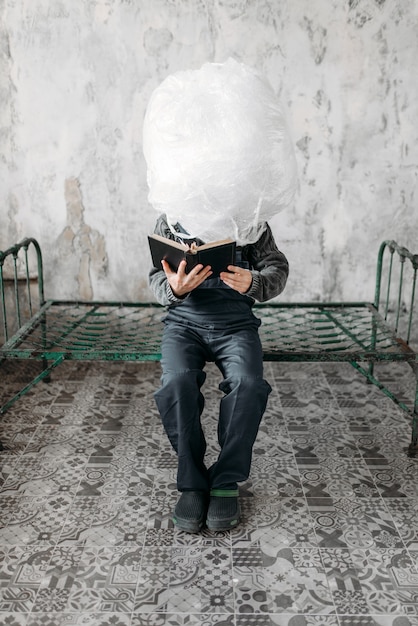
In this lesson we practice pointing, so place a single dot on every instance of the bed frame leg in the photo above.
(45, 374)
(413, 446)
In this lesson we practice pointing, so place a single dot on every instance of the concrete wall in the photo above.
(75, 78)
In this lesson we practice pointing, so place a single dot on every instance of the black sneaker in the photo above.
(190, 511)
(223, 510)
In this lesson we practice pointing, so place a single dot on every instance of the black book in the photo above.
(217, 254)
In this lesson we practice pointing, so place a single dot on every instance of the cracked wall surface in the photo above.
(82, 258)
(75, 79)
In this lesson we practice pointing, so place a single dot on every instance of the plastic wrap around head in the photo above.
(219, 156)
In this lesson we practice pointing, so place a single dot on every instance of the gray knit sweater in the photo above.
(268, 266)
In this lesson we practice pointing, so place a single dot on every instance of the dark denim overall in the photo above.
(213, 324)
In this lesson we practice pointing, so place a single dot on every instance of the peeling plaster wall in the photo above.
(75, 78)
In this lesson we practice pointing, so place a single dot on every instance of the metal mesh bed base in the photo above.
(355, 332)
(132, 332)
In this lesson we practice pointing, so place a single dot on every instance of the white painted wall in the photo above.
(75, 78)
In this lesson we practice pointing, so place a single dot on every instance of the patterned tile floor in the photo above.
(329, 534)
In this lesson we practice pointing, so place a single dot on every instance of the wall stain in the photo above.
(318, 39)
(78, 240)
(157, 41)
(364, 11)
(303, 145)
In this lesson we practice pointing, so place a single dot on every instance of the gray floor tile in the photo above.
(329, 531)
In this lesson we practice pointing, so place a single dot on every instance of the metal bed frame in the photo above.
(360, 333)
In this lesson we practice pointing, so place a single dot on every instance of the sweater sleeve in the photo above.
(270, 268)
(157, 279)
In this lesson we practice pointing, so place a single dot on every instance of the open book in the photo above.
(217, 254)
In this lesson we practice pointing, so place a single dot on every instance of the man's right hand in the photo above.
(182, 283)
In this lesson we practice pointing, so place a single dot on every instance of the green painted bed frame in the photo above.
(359, 333)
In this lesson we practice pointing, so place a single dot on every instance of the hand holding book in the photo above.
(237, 278)
(182, 283)
(187, 267)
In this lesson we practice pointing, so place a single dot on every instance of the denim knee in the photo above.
(179, 399)
(181, 382)
(180, 404)
(251, 386)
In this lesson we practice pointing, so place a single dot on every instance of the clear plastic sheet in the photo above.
(219, 156)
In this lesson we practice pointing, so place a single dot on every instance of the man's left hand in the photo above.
(237, 278)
